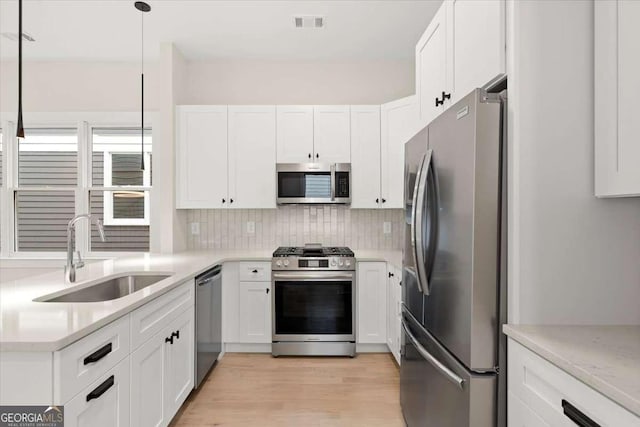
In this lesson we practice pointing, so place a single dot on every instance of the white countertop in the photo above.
(607, 358)
(27, 325)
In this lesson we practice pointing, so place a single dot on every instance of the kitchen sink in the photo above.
(108, 289)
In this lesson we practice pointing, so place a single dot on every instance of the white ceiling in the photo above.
(210, 29)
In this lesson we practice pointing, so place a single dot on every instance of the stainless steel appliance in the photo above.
(453, 354)
(208, 321)
(318, 183)
(313, 301)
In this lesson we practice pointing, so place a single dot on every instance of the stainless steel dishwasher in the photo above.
(208, 321)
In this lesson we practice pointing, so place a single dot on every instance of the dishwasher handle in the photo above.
(209, 276)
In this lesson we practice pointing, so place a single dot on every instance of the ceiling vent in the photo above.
(14, 37)
(314, 22)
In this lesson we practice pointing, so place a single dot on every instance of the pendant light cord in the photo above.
(20, 127)
(142, 91)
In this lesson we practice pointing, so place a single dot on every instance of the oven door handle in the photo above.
(311, 276)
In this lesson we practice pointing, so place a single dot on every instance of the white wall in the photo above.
(282, 82)
(77, 86)
(575, 259)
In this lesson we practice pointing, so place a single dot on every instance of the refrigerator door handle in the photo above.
(448, 373)
(414, 207)
(418, 247)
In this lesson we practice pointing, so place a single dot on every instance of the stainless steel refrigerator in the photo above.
(453, 368)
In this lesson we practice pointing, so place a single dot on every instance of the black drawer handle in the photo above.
(101, 389)
(98, 354)
(169, 339)
(577, 416)
(254, 271)
(175, 334)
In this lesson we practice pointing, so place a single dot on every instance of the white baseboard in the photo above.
(372, 348)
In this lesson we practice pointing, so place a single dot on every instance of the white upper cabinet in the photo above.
(294, 133)
(431, 67)
(398, 123)
(464, 47)
(252, 157)
(479, 45)
(365, 156)
(331, 134)
(617, 89)
(201, 156)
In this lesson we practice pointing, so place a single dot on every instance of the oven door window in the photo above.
(313, 307)
(296, 185)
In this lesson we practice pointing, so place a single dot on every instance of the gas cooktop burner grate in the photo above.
(340, 251)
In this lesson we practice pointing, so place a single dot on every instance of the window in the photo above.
(120, 188)
(63, 168)
(45, 197)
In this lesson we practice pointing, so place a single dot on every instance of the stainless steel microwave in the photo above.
(317, 183)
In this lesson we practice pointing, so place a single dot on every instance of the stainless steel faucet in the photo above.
(70, 268)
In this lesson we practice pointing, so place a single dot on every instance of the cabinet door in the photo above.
(105, 403)
(617, 88)
(255, 312)
(372, 302)
(148, 368)
(294, 133)
(331, 134)
(230, 303)
(180, 362)
(365, 156)
(252, 157)
(431, 66)
(201, 157)
(479, 47)
(391, 311)
(398, 123)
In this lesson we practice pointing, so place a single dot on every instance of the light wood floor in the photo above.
(259, 390)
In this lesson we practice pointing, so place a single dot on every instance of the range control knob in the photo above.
(347, 263)
(279, 263)
(286, 262)
(333, 262)
(341, 263)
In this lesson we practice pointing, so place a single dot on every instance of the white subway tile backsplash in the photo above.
(294, 226)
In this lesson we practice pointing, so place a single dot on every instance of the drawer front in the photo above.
(542, 386)
(104, 403)
(83, 362)
(255, 271)
(152, 317)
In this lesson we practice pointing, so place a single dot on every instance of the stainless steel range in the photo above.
(313, 301)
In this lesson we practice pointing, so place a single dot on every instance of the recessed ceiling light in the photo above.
(315, 22)
(14, 36)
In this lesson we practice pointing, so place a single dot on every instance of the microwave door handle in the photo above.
(414, 207)
(333, 182)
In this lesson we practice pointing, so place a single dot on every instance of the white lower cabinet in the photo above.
(255, 312)
(162, 373)
(394, 300)
(537, 390)
(104, 403)
(371, 284)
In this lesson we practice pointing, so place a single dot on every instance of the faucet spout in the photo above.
(70, 268)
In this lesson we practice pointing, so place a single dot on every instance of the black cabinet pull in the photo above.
(254, 271)
(438, 102)
(384, 200)
(224, 201)
(377, 200)
(230, 200)
(577, 416)
(267, 290)
(445, 96)
(317, 156)
(169, 339)
(309, 155)
(98, 354)
(101, 389)
(391, 274)
(175, 334)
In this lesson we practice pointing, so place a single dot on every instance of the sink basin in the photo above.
(109, 289)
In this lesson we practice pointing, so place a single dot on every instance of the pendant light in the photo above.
(20, 130)
(142, 7)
